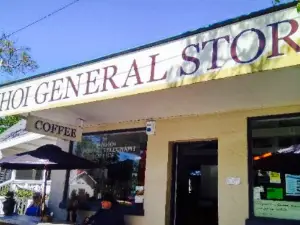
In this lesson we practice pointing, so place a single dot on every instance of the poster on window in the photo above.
(277, 209)
(292, 183)
(139, 194)
(257, 192)
(274, 177)
(275, 193)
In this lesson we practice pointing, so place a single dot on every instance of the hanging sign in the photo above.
(52, 128)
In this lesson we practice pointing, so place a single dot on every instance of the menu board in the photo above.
(277, 209)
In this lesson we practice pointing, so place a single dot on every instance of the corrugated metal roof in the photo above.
(16, 131)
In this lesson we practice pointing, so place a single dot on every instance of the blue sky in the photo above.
(94, 28)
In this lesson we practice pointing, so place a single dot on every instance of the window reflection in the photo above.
(122, 160)
(275, 148)
(29, 175)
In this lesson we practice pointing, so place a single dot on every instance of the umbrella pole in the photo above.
(44, 194)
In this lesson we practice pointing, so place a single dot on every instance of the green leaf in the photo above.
(275, 2)
(15, 59)
(8, 121)
(298, 7)
(2, 129)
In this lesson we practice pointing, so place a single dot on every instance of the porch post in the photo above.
(57, 185)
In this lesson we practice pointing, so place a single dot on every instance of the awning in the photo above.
(16, 140)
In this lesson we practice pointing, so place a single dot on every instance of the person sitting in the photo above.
(110, 213)
(72, 207)
(35, 208)
(9, 204)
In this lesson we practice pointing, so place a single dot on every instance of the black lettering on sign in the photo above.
(46, 127)
(67, 131)
(55, 129)
(60, 129)
(37, 126)
(73, 133)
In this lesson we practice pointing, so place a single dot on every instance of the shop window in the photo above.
(29, 174)
(275, 167)
(122, 159)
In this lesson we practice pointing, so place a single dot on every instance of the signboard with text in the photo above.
(51, 128)
(262, 43)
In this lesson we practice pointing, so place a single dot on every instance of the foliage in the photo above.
(20, 193)
(298, 7)
(4, 190)
(277, 2)
(14, 59)
(8, 121)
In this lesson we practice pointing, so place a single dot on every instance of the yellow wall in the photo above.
(231, 131)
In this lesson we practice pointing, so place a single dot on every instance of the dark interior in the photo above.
(196, 184)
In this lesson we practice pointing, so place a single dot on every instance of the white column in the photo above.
(13, 175)
(57, 185)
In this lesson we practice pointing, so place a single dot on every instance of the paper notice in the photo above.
(274, 177)
(139, 194)
(277, 209)
(275, 193)
(292, 183)
(256, 193)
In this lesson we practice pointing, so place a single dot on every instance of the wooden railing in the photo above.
(4, 187)
(21, 205)
(33, 185)
(15, 185)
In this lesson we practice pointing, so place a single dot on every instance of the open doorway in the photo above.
(195, 183)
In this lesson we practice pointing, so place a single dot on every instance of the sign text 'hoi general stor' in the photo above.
(227, 51)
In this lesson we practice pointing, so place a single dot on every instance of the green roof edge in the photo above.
(164, 41)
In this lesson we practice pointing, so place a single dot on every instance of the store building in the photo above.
(219, 96)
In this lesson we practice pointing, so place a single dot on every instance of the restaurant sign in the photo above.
(262, 43)
(51, 128)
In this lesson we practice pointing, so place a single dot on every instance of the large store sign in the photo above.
(54, 129)
(262, 43)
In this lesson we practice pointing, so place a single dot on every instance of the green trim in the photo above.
(164, 41)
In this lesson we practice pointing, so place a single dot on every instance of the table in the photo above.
(25, 220)
(19, 220)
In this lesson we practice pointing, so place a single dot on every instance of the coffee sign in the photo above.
(51, 128)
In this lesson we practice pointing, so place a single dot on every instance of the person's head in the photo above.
(36, 198)
(107, 201)
(73, 194)
(10, 194)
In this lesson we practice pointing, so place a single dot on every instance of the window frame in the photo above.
(22, 179)
(252, 217)
(127, 209)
